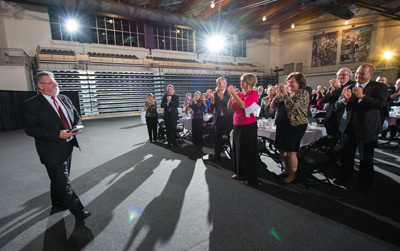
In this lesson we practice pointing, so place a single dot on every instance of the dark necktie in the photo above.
(61, 113)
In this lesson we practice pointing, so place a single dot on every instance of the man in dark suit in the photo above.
(224, 116)
(48, 117)
(170, 103)
(333, 115)
(361, 124)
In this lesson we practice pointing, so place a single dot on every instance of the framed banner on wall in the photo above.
(324, 49)
(355, 44)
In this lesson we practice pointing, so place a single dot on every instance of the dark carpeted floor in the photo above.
(153, 197)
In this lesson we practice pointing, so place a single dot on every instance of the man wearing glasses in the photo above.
(334, 115)
(48, 117)
(361, 124)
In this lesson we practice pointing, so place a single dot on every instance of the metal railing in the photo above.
(10, 56)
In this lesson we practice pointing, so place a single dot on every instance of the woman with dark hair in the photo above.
(197, 106)
(291, 121)
(244, 147)
(151, 117)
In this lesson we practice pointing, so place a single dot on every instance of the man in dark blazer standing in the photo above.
(334, 115)
(224, 116)
(48, 117)
(170, 103)
(361, 124)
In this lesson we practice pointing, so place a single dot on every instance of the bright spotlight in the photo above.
(346, 23)
(388, 55)
(71, 25)
(216, 43)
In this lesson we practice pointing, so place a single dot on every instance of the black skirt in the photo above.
(287, 137)
(244, 152)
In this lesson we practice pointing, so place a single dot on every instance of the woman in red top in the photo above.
(244, 147)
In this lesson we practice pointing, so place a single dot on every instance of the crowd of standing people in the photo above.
(355, 112)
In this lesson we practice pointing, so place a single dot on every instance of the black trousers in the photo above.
(152, 127)
(223, 126)
(332, 125)
(350, 142)
(170, 126)
(244, 151)
(197, 125)
(60, 187)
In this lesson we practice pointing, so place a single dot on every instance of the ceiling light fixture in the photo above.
(212, 4)
(264, 18)
(292, 26)
(346, 23)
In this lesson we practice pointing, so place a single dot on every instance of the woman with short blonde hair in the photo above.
(244, 147)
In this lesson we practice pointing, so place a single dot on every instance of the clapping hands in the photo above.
(231, 90)
(335, 84)
(281, 90)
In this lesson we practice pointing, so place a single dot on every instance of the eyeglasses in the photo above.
(342, 74)
(49, 83)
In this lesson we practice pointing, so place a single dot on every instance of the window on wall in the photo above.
(115, 31)
(59, 30)
(175, 39)
(99, 29)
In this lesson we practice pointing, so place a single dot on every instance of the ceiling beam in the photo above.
(275, 8)
(154, 4)
(305, 16)
(187, 6)
(208, 12)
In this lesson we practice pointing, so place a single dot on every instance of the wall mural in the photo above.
(355, 44)
(324, 49)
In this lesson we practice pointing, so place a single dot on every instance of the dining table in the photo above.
(267, 134)
(186, 120)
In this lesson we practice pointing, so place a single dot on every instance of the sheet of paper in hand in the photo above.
(253, 109)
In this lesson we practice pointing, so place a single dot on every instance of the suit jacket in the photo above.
(43, 123)
(171, 109)
(331, 100)
(365, 115)
(220, 105)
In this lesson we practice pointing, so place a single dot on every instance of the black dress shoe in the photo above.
(365, 189)
(82, 215)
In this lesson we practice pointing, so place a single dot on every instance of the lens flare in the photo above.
(72, 25)
(216, 43)
(134, 212)
(388, 55)
(272, 231)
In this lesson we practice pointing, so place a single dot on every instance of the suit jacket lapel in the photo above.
(50, 109)
(368, 88)
(67, 108)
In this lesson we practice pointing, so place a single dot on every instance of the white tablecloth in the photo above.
(312, 133)
(187, 121)
(393, 118)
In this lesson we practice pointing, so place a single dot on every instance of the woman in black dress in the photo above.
(291, 121)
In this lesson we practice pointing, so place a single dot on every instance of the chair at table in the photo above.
(162, 132)
(315, 157)
(180, 134)
(226, 146)
(208, 130)
(320, 117)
